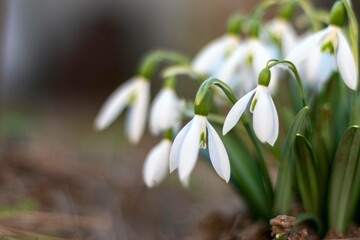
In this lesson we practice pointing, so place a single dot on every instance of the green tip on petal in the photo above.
(338, 15)
(264, 77)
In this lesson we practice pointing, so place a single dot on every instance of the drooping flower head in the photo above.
(134, 94)
(156, 165)
(265, 117)
(315, 49)
(196, 134)
(213, 55)
(241, 69)
(281, 31)
(166, 110)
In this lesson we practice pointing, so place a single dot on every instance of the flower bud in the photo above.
(338, 15)
(264, 77)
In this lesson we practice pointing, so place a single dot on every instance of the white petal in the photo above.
(265, 120)
(236, 111)
(289, 37)
(229, 70)
(164, 111)
(175, 149)
(185, 182)
(136, 118)
(212, 54)
(346, 63)
(115, 104)
(261, 56)
(218, 155)
(190, 148)
(324, 68)
(306, 46)
(156, 165)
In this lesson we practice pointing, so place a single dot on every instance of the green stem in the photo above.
(310, 12)
(262, 163)
(151, 61)
(272, 63)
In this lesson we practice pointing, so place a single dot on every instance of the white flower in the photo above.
(135, 94)
(185, 149)
(211, 57)
(156, 165)
(265, 117)
(285, 32)
(331, 40)
(242, 68)
(165, 111)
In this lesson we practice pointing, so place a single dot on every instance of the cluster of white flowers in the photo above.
(239, 63)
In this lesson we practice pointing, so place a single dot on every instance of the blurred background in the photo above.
(59, 61)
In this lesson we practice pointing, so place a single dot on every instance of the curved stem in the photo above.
(151, 61)
(291, 66)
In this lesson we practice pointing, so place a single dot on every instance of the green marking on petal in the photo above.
(253, 104)
(328, 47)
(132, 99)
(250, 60)
(203, 140)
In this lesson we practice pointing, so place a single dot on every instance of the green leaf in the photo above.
(246, 176)
(344, 180)
(286, 170)
(305, 170)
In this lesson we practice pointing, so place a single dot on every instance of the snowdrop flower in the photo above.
(165, 111)
(212, 56)
(156, 165)
(185, 149)
(284, 32)
(241, 69)
(330, 40)
(265, 117)
(135, 94)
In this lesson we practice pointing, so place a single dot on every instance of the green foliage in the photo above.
(286, 171)
(344, 180)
